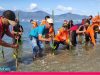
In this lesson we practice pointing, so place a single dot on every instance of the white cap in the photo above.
(13, 23)
(49, 20)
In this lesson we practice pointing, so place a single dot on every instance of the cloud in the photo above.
(64, 9)
(32, 6)
(1, 8)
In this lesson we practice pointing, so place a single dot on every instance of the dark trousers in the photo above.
(87, 37)
(73, 38)
(56, 44)
(95, 35)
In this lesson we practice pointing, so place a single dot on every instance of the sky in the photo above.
(82, 7)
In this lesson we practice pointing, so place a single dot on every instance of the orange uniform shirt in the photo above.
(90, 31)
(62, 35)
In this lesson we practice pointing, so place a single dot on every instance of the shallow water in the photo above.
(78, 59)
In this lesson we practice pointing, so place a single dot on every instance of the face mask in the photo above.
(13, 23)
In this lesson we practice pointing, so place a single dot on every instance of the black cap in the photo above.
(9, 15)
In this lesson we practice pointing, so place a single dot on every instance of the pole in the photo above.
(16, 50)
(70, 36)
(53, 34)
(17, 57)
(3, 53)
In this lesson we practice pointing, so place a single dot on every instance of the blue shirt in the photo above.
(40, 30)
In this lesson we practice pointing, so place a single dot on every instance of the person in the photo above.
(43, 22)
(89, 31)
(90, 19)
(34, 24)
(83, 21)
(51, 30)
(65, 22)
(17, 31)
(70, 24)
(62, 37)
(96, 19)
(7, 19)
(73, 33)
(37, 36)
(80, 34)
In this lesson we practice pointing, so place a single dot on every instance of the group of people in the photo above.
(67, 34)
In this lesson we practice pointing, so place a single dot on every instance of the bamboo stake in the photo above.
(54, 32)
(3, 53)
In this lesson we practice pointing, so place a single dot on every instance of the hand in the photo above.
(64, 38)
(98, 20)
(49, 39)
(17, 37)
(14, 46)
(84, 31)
(20, 33)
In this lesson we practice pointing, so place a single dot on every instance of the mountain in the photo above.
(39, 15)
(32, 15)
(1, 12)
(69, 16)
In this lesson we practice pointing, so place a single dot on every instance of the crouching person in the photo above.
(62, 37)
(89, 31)
(37, 38)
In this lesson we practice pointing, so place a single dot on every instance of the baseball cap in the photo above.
(10, 15)
(49, 20)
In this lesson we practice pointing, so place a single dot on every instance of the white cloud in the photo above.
(1, 8)
(32, 6)
(64, 9)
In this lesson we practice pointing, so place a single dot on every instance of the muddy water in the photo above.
(80, 58)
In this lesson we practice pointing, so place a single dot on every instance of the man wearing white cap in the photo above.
(37, 37)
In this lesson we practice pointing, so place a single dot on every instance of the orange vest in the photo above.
(43, 22)
(62, 35)
(90, 31)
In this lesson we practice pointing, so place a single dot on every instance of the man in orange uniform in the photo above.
(89, 31)
(62, 37)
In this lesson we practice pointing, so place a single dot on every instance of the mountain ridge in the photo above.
(39, 15)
